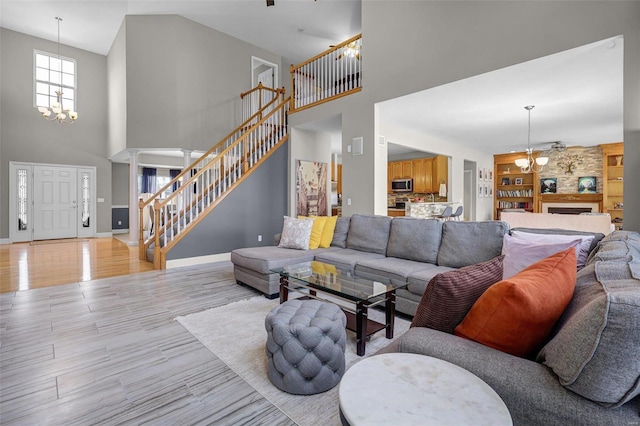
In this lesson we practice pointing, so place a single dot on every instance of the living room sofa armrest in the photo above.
(530, 390)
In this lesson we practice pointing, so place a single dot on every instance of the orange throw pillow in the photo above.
(516, 315)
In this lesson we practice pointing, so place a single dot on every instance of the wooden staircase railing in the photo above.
(331, 74)
(206, 182)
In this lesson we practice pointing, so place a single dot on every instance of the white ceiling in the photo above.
(578, 98)
(294, 29)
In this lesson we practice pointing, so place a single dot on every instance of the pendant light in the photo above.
(529, 164)
(56, 112)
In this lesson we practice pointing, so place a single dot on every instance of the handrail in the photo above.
(334, 73)
(226, 139)
(211, 178)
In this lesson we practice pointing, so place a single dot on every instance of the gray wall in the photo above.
(443, 41)
(120, 184)
(256, 207)
(26, 136)
(183, 82)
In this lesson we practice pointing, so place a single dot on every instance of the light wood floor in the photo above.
(26, 266)
(108, 351)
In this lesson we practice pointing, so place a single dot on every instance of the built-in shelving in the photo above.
(612, 187)
(513, 189)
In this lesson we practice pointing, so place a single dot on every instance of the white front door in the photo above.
(55, 202)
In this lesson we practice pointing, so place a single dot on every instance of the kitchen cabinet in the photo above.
(407, 169)
(336, 176)
(396, 170)
(422, 175)
(427, 173)
(440, 172)
(612, 176)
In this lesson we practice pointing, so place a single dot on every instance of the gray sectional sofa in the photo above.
(404, 250)
(588, 373)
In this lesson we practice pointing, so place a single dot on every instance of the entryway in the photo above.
(50, 201)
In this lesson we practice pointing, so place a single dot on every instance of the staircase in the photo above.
(208, 180)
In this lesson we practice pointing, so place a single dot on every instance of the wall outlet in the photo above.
(348, 201)
(119, 222)
(259, 238)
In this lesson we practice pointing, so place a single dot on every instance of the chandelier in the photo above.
(529, 164)
(56, 112)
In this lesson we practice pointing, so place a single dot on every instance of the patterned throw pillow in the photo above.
(516, 315)
(316, 230)
(296, 233)
(450, 295)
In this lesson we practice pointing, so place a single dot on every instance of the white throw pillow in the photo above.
(518, 254)
(583, 251)
(296, 233)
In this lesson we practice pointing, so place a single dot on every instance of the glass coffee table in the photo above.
(355, 295)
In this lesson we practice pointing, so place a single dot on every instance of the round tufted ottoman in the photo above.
(305, 346)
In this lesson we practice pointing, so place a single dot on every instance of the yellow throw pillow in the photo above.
(316, 230)
(327, 232)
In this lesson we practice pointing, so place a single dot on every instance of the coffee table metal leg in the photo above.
(284, 289)
(390, 312)
(361, 327)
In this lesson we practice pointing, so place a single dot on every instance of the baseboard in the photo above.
(176, 263)
(120, 231)
(103, 235)
(5, 241)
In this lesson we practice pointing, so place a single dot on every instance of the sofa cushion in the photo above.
(392, 268)
(418, 281)
(583, 250)
(327, 231)
(521, 253)
(369, 233)
(263, 259)
(345, 258)
(450, 295)
(316, 230)
(516, 315)
(595, 350)
(597, 236)
(456, 250)
(296, 233)
(341, 232)
(415, 239)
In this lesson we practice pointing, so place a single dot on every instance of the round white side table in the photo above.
(410, 389)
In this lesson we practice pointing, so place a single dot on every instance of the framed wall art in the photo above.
(311, 188)
(587, 185)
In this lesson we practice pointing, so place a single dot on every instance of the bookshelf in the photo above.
(512, 188)
(612, 187)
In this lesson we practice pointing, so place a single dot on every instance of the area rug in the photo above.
(235, 333)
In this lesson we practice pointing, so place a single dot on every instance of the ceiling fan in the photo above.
(555, 146)
(351, 50)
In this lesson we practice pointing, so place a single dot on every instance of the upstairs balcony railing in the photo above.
(332, 74)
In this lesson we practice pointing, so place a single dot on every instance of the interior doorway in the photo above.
(264, 72)
(51, 201)
(469, 197)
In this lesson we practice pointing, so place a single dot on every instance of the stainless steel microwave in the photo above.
(402, 185)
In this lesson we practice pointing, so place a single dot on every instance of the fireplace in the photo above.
(570, 203)
(569, 210)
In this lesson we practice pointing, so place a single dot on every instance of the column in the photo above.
(134, 215)
(187, 158)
